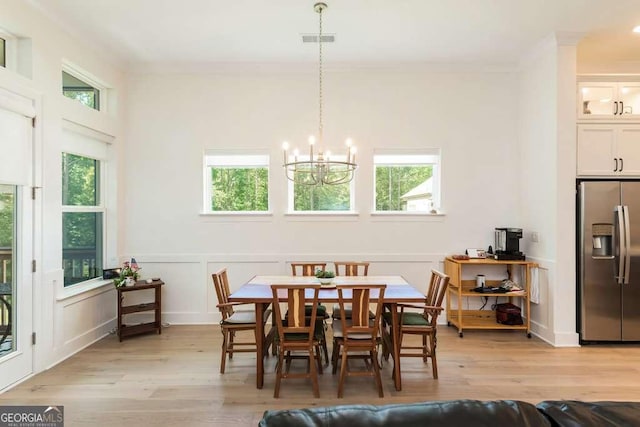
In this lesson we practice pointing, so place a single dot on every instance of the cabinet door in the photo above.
(596, 145)
(596, 100)
(628, 149)
(629, 98)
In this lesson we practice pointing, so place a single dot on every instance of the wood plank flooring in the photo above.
(173, 378)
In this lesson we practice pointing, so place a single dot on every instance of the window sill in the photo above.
(87, 289)
(322, 216)
(248, 216)
(407, 216)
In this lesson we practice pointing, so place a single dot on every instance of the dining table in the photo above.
(257, 291)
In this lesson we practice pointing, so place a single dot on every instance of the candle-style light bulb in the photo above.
(353, 154)
(285, 147)
(349, 142)
(312, 140)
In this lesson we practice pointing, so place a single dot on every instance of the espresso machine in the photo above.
(507, 244)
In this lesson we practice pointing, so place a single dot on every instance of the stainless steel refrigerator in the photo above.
(609, 260)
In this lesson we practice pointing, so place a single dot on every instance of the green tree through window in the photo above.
(82, 231)
(392, 182)
(239, 189)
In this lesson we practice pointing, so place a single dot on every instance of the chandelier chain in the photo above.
(320, 128)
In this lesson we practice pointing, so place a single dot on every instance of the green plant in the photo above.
(129, 269)
(325, 274)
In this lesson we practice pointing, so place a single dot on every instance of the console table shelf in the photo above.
(125, 330)
(461, 289)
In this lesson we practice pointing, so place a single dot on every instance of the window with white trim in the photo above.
(3, 52)
(321, 198)
(407, 182)
(78, 88)
(236, 183)
(83, 213)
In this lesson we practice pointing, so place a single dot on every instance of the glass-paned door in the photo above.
(7, 273)
(16, 238)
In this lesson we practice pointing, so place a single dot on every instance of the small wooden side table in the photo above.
(127, 330)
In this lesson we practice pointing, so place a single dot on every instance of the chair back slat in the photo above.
(351, 268)
(221, 283)
(361, 298)
(435, 294)
(307, 268)
(297, 321)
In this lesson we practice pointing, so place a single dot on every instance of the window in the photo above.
(82, 219)
(3, 52)
(236, 183)
(407, 182)
(331, 198)
(75, 88)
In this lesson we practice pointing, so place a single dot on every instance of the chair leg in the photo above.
(276, 391)
(230, 344)
(326, 350)
(343, 373)
(335, 353)
(224, 351)
(314, 372)
(434, 361)
(318, 358)
(425, 349)
(376, 372)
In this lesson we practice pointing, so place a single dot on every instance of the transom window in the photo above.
(3, 52)
(325, 198)
(407, 182)
(78, 89)
(82, 219)
(236, 183)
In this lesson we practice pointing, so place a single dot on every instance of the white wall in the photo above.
(547, 135)
(173, 118)
(63, 325)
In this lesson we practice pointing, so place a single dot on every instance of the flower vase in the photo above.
(129, 281)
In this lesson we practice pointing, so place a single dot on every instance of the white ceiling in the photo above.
(366, 31)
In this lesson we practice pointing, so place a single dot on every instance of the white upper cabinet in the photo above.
(608, 101)
(608, 150)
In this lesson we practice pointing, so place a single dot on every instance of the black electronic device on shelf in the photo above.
(507, 243)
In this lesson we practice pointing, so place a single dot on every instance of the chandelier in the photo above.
(320, 168)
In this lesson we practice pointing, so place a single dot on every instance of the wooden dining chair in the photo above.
(423, 323)
(297, 333)
(351, 268)
(359, 336)
(348, 268)
(234, 321)
(307, 268)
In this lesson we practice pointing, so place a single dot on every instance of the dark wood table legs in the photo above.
(395, 328)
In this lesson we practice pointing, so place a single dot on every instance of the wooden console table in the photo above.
(127, 330)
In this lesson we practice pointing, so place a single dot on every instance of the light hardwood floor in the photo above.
(173, 378)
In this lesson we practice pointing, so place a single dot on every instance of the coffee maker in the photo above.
(507, 244)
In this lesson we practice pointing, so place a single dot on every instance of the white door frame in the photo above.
(20, 364)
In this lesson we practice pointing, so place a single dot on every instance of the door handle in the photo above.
(627, 251)
(621, 107)
(615, 169)
(619, 221)
(621, 164)
(615, 112)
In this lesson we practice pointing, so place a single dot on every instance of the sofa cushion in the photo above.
(446, 413)
(572, 413)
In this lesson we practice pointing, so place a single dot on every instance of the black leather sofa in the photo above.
(454, 413)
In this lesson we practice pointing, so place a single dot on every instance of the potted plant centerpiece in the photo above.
(128, 274)
(325, 276)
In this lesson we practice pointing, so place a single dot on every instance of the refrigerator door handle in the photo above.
(619, 220)
(627, 250)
